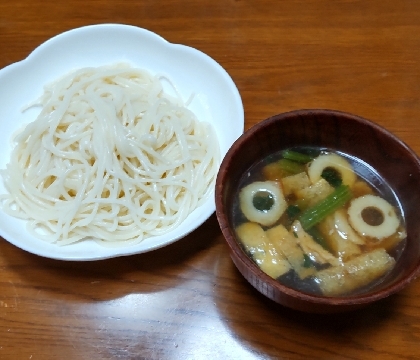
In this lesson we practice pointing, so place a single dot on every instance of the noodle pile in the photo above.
(111, 157)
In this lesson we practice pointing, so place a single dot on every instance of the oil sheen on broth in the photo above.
(319, 221)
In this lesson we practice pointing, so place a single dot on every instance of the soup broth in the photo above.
(319, 221)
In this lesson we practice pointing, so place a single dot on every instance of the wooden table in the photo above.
(188, 301)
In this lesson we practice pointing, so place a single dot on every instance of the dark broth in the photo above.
(365, 173)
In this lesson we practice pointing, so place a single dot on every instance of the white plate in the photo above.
(217, 101)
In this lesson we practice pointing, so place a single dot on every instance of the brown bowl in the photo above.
(353, 135)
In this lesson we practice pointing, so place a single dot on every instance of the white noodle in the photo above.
(111, 157)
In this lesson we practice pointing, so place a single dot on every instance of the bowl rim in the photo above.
(234, 246)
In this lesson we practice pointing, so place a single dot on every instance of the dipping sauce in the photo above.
(319, 221)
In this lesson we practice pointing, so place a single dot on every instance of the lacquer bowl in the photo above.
(392, 159)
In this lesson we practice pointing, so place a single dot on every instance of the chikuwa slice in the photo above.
(387, 220)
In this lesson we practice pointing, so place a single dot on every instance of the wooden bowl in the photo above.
(353, 135)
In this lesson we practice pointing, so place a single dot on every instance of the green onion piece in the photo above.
(325, 207)
(297, 156)
(313, 152)
(270, 159)
(332, 176)
(307, 262)
(318, 237)
(291, 167)
(292, 211)
(263, 201)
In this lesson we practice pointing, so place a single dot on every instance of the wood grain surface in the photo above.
(188, 301)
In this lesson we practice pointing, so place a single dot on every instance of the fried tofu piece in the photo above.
(360, 188)
(357, 272)
(311, 247)
(274, 264)
(316, 192)
(294, 183)
(253, 238)
(286, 243)
(344, 228)
(341, 247)
(265, 254)
(273, 172)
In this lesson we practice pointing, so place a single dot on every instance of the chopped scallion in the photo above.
(297, 156)
(263, 201)
(332, 176)
(307, 262)
(291, 167)
(318, 237)
(292, 211)
(325, 207)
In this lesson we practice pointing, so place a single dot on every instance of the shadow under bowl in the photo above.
(393, 160)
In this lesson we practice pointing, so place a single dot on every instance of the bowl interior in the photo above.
(347, 133)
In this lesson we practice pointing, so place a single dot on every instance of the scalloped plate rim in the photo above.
(88, 250)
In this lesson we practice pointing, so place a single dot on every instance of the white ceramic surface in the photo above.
(217, 101)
